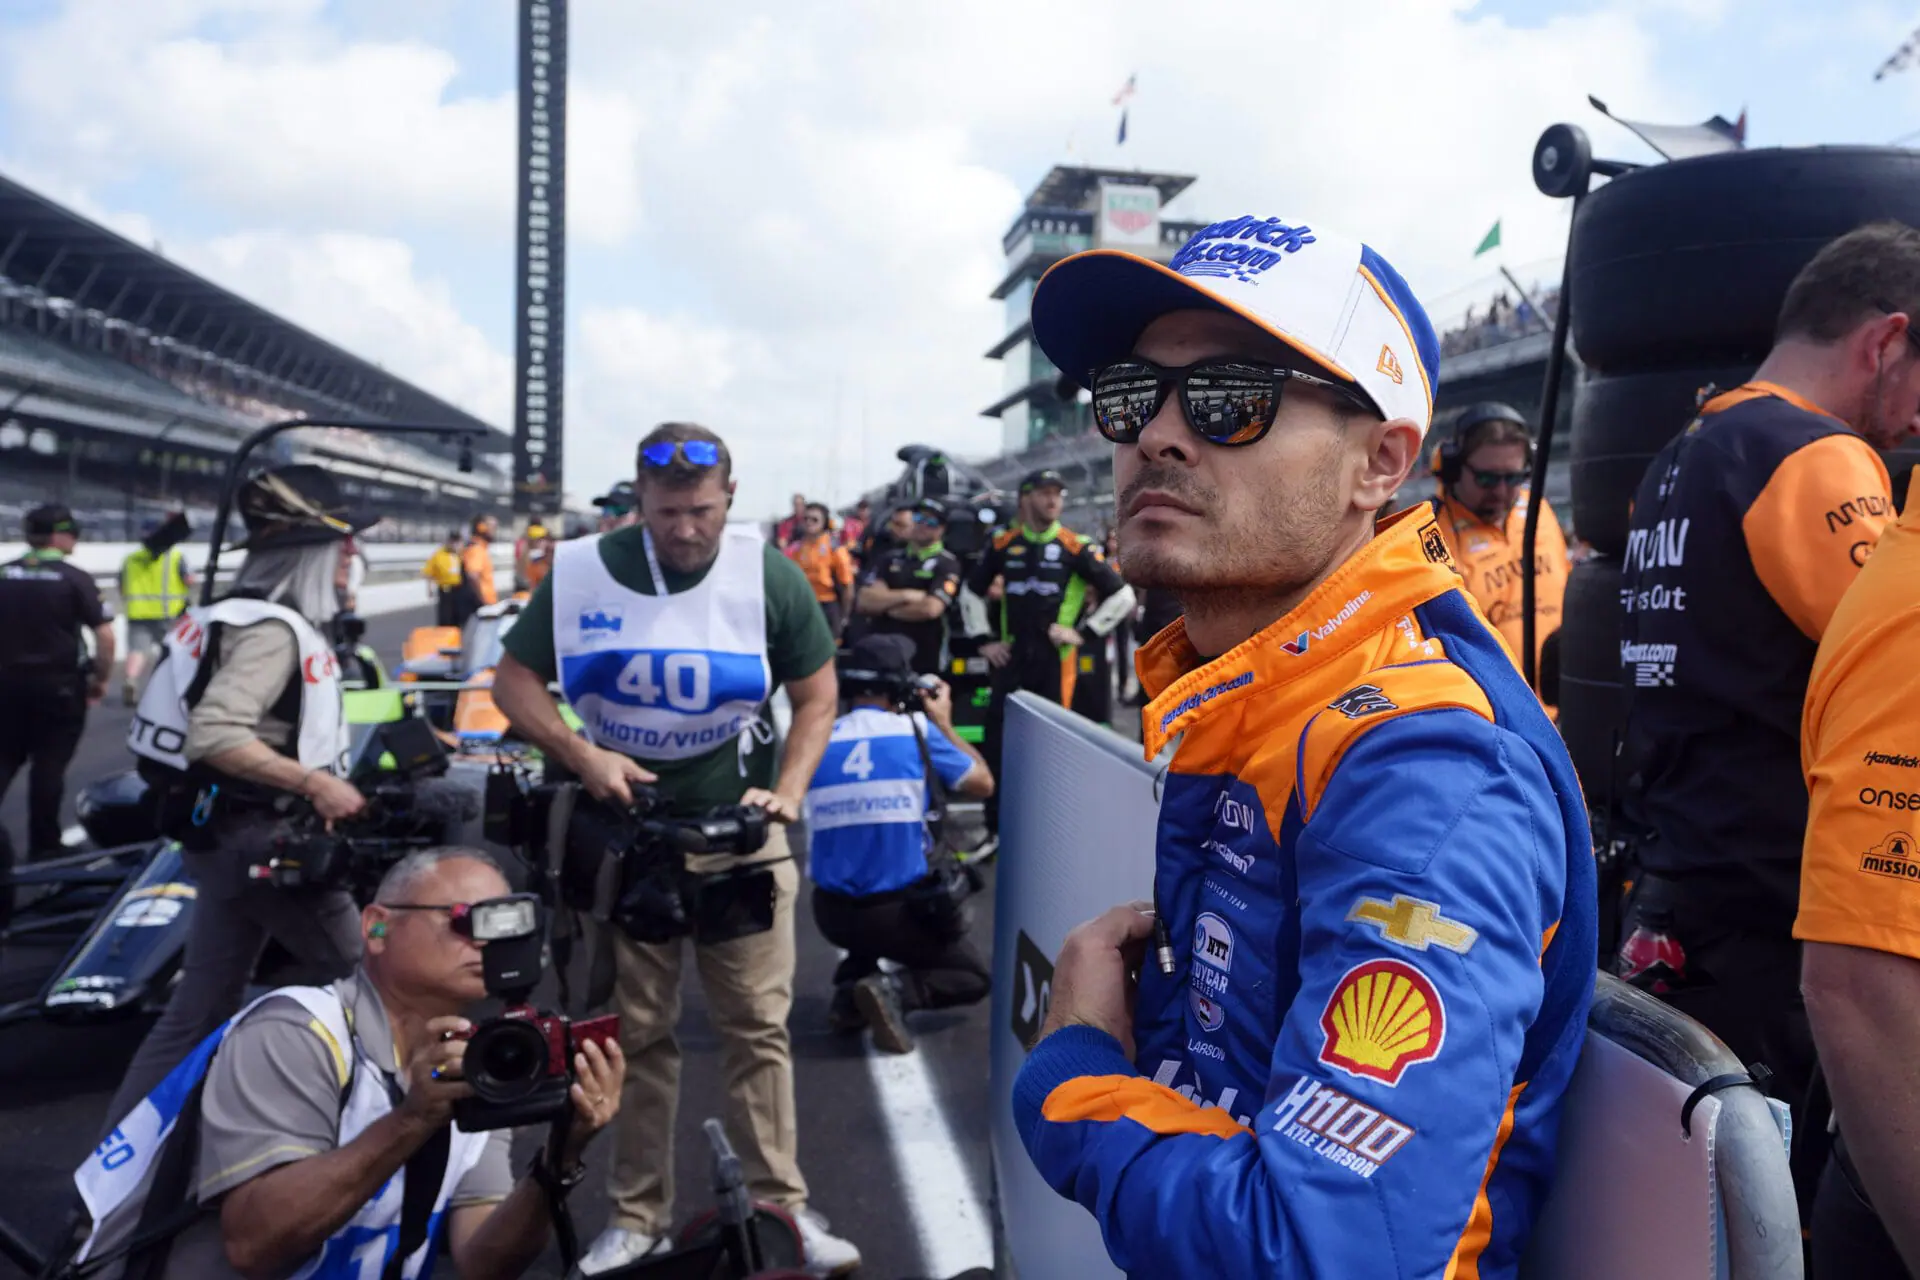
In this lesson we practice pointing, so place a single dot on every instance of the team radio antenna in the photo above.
(1901, 58)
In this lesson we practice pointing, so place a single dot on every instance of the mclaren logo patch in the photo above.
(1384, 1017)
(1414, 923)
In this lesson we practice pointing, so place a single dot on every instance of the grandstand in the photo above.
(126, 382)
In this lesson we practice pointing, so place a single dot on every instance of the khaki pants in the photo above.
(749, 988)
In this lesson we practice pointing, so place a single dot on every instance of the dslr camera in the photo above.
(520, 1063)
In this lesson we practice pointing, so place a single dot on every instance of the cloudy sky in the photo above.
(785, 218)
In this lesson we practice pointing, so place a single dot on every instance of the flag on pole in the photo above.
(1740, 127)
(1122, 139)
(1126, 91)
(1491, 240)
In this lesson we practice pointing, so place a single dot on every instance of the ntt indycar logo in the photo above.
(1240, 248)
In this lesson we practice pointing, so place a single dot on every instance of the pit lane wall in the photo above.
(1636, 1192)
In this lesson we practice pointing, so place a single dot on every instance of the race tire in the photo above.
(1687, 263)
(1593, 702)
(1619, 423)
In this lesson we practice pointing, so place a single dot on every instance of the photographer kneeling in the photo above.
(322, 1131)
(239, 728)
(885, 886)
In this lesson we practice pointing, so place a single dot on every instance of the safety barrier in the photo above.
(1638, 1193)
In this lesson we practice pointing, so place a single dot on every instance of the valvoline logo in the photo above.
(1299, 644)
(604, 621)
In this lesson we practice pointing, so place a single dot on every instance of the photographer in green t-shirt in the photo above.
(654, 683)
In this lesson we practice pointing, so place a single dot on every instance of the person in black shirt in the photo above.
(46, 681)
(913, 587)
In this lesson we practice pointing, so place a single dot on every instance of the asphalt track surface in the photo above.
(55, 1083)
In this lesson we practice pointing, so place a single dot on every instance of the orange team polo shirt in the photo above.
(476, 560)
(827, 566)
(1488, 559)
(1860, 747)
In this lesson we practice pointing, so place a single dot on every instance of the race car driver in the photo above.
(1747, 529)
(1483, 470)
(1044, 570)
(1373, 945)
(1859, 915)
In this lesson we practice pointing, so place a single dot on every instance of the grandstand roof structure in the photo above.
(83, 310)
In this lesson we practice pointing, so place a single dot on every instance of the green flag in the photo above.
(1492, 240)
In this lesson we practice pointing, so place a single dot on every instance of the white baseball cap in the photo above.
(1326, 295)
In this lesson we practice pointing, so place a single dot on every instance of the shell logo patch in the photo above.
(1384, 1017)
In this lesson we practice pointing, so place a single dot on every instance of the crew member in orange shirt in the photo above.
(1483, 470)
(537, 556)
(827, 564)
(1859, 919)
(476, 566)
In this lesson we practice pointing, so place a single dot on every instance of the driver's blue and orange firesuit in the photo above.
(1375, 864)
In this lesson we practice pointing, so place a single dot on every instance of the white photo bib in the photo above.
(116, 1172)
(159, 728)
(663, 677)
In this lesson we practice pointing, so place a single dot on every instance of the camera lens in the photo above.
(506, 1060)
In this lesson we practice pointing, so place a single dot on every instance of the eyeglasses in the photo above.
(701, 453)
(1228, 402)
(1494, 479)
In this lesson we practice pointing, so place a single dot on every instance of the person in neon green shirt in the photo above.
(155, 588)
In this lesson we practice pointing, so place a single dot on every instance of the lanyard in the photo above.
(653, 563)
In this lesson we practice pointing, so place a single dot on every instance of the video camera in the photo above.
(520, 1063)
(630, 867)
(399, 766)
(906, 690)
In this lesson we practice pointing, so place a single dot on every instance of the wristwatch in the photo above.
(558, 1182)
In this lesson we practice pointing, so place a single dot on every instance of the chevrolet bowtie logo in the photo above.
(1413, 923)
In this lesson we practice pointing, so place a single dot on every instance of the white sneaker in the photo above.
(618, 1246)
(827, 1254)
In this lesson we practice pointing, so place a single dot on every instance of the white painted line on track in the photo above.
(949, 1218)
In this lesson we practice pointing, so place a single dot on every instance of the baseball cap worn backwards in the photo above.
(1328, 296)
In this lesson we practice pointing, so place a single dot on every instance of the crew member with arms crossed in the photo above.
(1044, 570)
(1747, 529)
(1364, 987)
(317, 1104)
(1859, 919)
(914, 587)
(1483, 470)
(668, 637)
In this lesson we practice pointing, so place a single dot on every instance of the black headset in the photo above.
(1449, 459)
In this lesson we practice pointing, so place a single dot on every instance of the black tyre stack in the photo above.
(1678, 273)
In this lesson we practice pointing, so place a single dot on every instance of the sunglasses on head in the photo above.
(1492, 479)
(1228, 402)
(701, 453)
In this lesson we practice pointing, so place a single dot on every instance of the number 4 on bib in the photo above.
(859, 761)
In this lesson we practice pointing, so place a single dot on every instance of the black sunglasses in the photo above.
(1489, 479)
(1228, 402)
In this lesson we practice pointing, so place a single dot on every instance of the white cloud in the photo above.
(363, 293)
(292, 122)
(786, 218)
